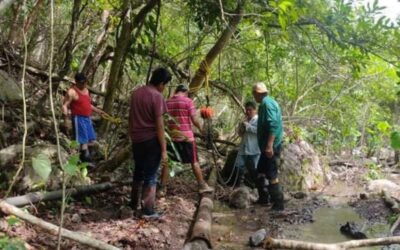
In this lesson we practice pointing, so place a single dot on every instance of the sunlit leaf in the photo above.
(42, 166)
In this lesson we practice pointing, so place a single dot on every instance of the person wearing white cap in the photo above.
(269, 136)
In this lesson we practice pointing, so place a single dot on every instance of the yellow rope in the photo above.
(111, 119)
(203, 71)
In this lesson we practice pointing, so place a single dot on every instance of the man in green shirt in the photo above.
(269, 136)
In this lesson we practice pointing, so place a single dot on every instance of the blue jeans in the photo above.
(241, 161)
(147, 157)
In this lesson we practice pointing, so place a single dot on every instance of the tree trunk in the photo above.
(294, 244)
(53, 229)
(71, 36)
(31, 198)
(198, 79)
(124, 42)
(92, 60)
(200, 234)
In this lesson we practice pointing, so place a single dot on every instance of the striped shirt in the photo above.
(181, 109)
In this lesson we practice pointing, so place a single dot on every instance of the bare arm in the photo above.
(66, 102)
(161, 137)
(98, 111)
(196, 123)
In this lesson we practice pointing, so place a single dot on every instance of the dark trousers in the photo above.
(269, 166)
(147, 157)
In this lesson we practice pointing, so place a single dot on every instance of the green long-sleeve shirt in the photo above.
(269, 122)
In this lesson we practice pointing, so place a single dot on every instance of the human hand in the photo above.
(66, 126)
(269, 151)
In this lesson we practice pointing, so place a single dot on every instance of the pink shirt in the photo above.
(145, 106)
(181, 108)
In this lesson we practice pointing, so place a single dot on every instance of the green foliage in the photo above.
(395, 140)
(73, 166)
(42, 166)
(174, 167)
(391, 219)
(374, 172)
(11, 244)
(12, 220)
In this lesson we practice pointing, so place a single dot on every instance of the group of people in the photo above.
(261, 136)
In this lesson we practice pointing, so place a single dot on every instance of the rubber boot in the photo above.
(240, 180)
(85, 157)
(149, 199)
(276, 196)
(262, 187)
(92, 151)
(136, 194)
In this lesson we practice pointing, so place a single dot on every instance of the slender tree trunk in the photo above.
(124, 41)
(198, 79)
(5, 4)
(92, 60)
(70, 39)
(14, 29)
(71, 36)
(15, 35)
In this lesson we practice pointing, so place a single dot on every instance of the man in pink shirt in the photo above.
(146, 130)
(181, 108)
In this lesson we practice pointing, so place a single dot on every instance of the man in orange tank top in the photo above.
(77, 106)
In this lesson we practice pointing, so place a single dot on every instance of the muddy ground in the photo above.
(106, 216)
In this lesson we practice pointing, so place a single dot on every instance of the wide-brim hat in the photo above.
(260, 88)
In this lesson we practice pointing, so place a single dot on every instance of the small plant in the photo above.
(392, 218)
(11, 243)
(374, 171)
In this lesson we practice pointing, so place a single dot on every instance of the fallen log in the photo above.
(35, 197)
(294, 244)
(116, 159)
(217, 140)
(199, 236)
(202, 227)
(53, 229)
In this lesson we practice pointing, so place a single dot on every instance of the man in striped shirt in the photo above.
(183, 112)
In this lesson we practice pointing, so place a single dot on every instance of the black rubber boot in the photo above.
(276, 196)
(85, 157)
(136, 194)
(240, 179)
(92, 151)
(262, 187)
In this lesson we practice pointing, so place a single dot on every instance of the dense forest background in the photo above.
(333, 66)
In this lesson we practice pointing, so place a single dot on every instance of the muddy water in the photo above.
(326, 228)
(232, 228)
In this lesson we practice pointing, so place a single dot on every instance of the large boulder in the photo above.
(10, 91)
(300, 168)
(380, 185)
(10, 158)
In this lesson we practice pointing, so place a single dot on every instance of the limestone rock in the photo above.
(10, 91)
(300, 168)
(377, 186)
(242, 197)
(9, 154)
